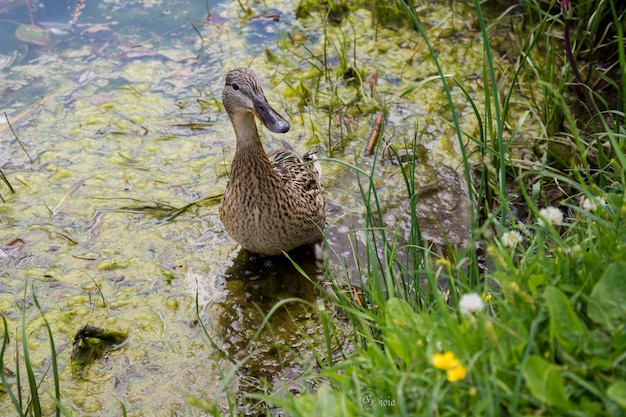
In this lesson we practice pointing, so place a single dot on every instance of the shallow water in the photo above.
(119, 119)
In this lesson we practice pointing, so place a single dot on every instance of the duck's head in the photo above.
(242, 93)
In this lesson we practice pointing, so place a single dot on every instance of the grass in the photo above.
(2, 176)
(7, 183)
(28, 404)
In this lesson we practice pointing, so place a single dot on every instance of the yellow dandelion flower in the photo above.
(448, 362)
(444, 361)
(457, 373)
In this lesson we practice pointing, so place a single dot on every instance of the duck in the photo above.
(269, 206)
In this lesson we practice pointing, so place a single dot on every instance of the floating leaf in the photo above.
(564, 323)
(544, 381)
(607, 304)
(33, 34)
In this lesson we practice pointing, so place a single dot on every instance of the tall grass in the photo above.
(547, 337)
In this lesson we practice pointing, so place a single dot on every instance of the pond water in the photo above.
(118, 115)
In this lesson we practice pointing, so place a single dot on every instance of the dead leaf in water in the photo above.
(57, 29)
(96, 28)
(275, 17)
(136, 54)
(372, 79)
(84, 77)
(96, 223)
(69, 193)
(12, 249)
(216, 19)
(100, 99)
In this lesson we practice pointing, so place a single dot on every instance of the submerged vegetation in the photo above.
(521, 310)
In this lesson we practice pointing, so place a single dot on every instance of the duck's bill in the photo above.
(272, 120)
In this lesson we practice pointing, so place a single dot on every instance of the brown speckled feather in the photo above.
(302, 172)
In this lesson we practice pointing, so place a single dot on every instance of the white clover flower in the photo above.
(591, 204)
(552, 215)
(471, 303)
(511, 239)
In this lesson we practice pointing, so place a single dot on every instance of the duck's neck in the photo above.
(245, 130)
(250, 157)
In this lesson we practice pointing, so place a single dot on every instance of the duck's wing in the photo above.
(302, 172)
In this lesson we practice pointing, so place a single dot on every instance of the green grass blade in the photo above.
(53, 358)
(3, 376)
(32, 382)
(6, 181)
(205, 330)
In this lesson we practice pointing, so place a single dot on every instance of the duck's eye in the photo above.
(235, 87)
